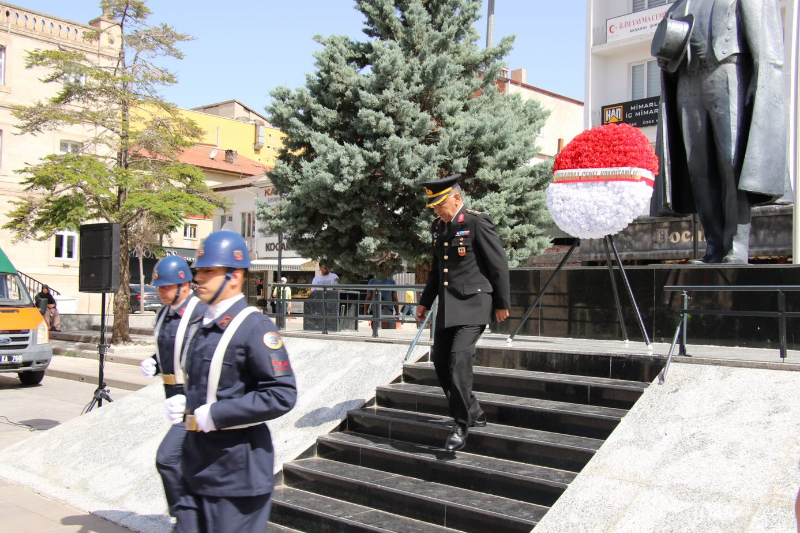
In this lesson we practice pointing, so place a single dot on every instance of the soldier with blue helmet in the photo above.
(172, 277)
(238, 376)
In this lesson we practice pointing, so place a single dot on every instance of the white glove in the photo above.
(176, 408)
(202, 415)
(148, 367)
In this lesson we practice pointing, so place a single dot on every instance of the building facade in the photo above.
(566, 114)
(53, 261)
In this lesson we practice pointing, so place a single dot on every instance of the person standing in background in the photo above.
(325, 276)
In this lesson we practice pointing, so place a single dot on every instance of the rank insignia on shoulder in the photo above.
(273, 341)
(181, 311)
(473, 212)
(225, 321)
(462, 251)
(464, 233)
(461, 218)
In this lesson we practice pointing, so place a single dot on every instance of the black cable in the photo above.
(18, 424)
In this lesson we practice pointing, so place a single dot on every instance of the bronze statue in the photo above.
(722, 124)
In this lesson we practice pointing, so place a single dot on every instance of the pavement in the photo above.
(24, 510)
(71, 381)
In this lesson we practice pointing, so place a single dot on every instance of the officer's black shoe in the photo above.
(479, 421)
(457, 438)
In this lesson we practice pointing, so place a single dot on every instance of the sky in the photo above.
(243, 49)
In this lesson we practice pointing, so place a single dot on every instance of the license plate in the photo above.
(10, 358)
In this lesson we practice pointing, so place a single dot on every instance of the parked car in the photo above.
(151, 300)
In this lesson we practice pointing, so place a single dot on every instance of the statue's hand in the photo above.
(662, 63)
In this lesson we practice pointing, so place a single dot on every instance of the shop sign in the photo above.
(637, 113)
(634, 24)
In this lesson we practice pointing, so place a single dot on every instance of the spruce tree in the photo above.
(416, 101)
(128, 171)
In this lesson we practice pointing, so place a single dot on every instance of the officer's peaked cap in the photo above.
(223, 249)
(171, 270)
(438, 190)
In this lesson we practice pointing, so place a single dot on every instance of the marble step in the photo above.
(307, 511)
(559, 417)
(589, 390)
(629, 367)
(436, 503)
(565, 452)
(499, 477)
(277, 528)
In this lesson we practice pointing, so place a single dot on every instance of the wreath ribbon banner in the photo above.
(590, 175)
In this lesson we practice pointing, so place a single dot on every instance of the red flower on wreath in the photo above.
(614, 145)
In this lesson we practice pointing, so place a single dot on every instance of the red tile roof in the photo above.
(200, 156)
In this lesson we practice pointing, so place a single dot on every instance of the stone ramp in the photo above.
(104, 462)
(714, 449)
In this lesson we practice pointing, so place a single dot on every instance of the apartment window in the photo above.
(2, 65)
(641, 5)
(226, 222)
(645, 80)
(190, 231)
(66, 243)
(70, 147)
(248, 225)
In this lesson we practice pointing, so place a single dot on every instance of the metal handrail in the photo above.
(34, 286)
(781, 314)
(419, 332)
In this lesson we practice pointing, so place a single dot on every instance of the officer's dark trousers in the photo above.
(453, 350)
(168, 464)
(207, 514)
(712, 116)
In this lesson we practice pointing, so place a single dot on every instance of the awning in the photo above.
(290, 263)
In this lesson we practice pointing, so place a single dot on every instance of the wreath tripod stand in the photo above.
(608, 241)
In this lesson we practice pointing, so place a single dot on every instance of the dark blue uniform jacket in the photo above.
(166, 340)
(256, 384)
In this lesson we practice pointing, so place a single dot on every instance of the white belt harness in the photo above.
(182, 325)
(215, 369)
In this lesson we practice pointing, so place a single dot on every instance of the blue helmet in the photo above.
(171, 270)
(223, 249)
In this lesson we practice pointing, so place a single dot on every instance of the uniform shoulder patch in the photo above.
(225, 321)
(273, 340)
(181, 311)
(474, 212)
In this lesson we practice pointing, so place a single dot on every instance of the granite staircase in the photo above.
(386, 470)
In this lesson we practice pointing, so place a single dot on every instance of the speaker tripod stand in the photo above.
(101, 392)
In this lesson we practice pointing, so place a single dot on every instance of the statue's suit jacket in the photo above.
(751, 28)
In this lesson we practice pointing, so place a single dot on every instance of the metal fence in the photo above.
(342, 307)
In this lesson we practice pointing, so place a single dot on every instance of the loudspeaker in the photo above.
(99, 258)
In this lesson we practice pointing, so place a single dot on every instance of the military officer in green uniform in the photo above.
(469, 275)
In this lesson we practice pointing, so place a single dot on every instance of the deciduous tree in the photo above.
(127, 170)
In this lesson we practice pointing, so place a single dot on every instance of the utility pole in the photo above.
(490, 25)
